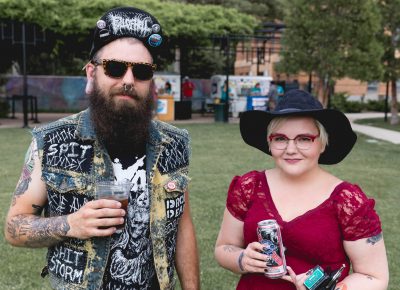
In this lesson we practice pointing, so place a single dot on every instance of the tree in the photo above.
(390, 38)
(332, 39)
(71, 22)
(261, 9)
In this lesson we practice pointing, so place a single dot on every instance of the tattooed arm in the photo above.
(230, 252)
(369, 262)
(26, 227)
(24, 224)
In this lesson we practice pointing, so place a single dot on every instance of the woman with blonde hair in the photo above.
(324, 221)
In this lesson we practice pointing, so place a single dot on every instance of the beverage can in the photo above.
(269, 235)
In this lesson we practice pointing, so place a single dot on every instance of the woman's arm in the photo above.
(369, 262)
(230, 246)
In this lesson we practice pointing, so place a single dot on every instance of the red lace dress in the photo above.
(314, 238)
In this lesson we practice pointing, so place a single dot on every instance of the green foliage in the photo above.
(332, 38)
(79, 17)
(263, 10)
(4, 108)
(339, 102)
(390, 37)
(377, 106)
(69, 26)
(374, 166)
(202, 63)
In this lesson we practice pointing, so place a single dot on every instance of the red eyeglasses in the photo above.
(302, 141)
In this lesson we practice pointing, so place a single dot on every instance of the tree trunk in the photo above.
(394, 119)
(323, 91)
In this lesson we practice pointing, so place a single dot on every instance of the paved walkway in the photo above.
(378, 133)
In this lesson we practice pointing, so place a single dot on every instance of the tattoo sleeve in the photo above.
(38, 231)
(373, 240)
(27, 169)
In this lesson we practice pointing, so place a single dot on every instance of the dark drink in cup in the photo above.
(114, 190)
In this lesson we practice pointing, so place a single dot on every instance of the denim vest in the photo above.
(73, 160)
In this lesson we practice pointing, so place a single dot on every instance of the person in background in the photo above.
(187, 88)
(54, 203)
(324, 220)
(167, 88)
(256, 90)
(224, 95)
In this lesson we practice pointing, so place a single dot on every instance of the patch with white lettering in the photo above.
(61, 204)
(174, 156)
(62, 149)
(134, 24)
(67, 263)
(174, 206)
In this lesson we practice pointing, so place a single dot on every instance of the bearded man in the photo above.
(114, 139)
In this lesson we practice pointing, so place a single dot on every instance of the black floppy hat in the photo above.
(128, 22)
(341, 138)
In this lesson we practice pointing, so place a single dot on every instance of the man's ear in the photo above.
(90, 68)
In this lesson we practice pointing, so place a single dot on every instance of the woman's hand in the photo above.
(253, 260)
(297, 280)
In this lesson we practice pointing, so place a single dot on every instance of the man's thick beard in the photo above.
(122, 129)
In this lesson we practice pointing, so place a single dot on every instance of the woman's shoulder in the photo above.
(355, 211)
(346, 190)
(349, 198)
(249, 177)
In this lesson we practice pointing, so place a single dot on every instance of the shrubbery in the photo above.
(3, 108)
(339, 102)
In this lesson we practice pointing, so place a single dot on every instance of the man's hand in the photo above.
(97, 218)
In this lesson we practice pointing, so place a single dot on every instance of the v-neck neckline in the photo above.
(304, 214)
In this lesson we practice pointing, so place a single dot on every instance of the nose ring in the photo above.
(127, 87)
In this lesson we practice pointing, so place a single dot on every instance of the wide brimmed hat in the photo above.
(341, 138)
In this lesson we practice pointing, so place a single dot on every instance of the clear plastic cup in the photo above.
(116, 191)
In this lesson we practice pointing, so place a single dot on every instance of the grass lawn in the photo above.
(218, 153)
(379, 122)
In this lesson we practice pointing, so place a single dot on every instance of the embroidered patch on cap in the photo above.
(132, 24)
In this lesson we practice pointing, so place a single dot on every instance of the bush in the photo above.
(339, 102)
(378, 106)
(3, 108)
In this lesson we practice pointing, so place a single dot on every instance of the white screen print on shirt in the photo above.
(130, 264)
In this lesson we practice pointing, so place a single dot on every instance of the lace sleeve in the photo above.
(357, 217)
(239, 195)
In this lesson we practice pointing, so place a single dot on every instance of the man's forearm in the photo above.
(187, 260)
(35, 231)
(187, 264)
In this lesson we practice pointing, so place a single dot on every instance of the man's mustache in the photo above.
(126, 90)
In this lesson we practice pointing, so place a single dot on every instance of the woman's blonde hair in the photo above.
(276, 122)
